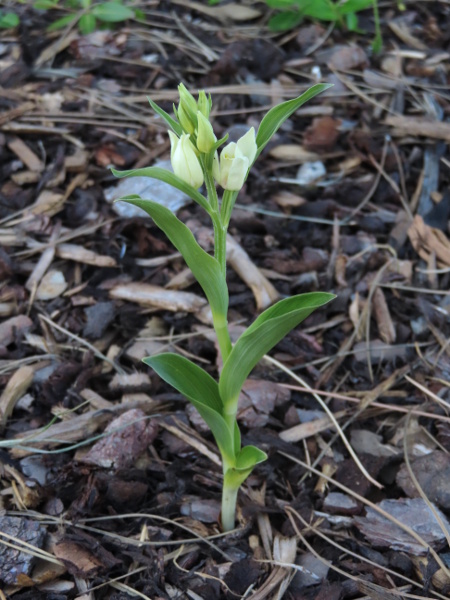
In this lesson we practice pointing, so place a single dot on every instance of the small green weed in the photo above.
(8, 20)
(87, 14)
(341, 12)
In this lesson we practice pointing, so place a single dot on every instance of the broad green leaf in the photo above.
(85, 3)
(201, 389)
(263, 334)
(278, 114)
(285, 20)
(351, 21)
(112, 12)
(246, 460)
(280, 4)
(174, 125)
(167, 177)
(139, 15)
(205, 268)
(353, 6)
(237, 436)
(248, 457)
(9, 20)
(87, 24)
(45, 4)
(62, 22)
(187, 377)
(324, 10)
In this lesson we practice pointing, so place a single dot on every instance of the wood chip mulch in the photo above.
(109, 481)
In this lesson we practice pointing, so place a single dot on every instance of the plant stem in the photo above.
(223, 336)
(220, 243)
(229, 499)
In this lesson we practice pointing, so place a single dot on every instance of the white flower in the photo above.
(184, 161)
(235, 160)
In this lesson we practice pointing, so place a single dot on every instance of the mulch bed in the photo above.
(109, 481)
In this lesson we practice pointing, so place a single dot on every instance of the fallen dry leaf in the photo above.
(427, 240)
(322, 134)
(383, 317)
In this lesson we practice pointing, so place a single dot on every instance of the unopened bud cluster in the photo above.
(193, 150)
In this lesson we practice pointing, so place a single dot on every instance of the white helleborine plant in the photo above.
(230, 171)
(195, 160)
(184, 160)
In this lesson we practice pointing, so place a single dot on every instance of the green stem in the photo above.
(220, 244)
(223, 335)
(210, 186)
(229, 499)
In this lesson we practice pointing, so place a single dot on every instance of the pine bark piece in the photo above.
(14, 563)
(414, 513)
(129, 436)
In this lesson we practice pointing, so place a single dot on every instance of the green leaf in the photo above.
(112, 12)
(139, 15)
(248, 457)
(87, 24)
(45, 4)
(201, 389)
(353, 6)
(174, 125)
(9, 20)
(280, 4)
(167, 177)
(323, 10)
(237, 436)
(62, 22)
(351, 21)
(263, 334)
(278, 114)
(205, 268)
(85, 3)
(246, 460)
(285, 20)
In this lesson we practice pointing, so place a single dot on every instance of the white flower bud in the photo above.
(184, 161)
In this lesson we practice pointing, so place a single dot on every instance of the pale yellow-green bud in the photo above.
(184, 160)
(188, 109)
(204, 103)
(205, 134)
(235, 160)
(185, 121)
